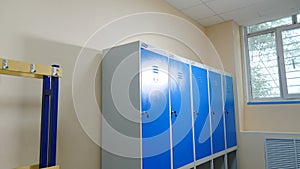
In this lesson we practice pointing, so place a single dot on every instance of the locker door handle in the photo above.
(146, 113)
(174, 112)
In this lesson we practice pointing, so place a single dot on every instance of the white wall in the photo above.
(54, 31)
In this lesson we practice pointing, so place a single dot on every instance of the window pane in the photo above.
(298, 17)
(263, 66)
(291, 51)
(270, 24)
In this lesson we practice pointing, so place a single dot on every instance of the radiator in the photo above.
(282, 153)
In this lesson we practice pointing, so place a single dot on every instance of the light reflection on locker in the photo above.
(155, 111)
(201, 112)
(229, 111)
(216, 105)
(181, 114)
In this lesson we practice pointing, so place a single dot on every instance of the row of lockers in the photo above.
(185, 111)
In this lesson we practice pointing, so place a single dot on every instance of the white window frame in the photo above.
(284, 96)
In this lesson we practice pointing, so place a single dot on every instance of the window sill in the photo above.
(273, 102)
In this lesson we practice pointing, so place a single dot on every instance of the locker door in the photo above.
(201, 112)
(215, 88)
(155, 111)
(182, 138)
(229, 112)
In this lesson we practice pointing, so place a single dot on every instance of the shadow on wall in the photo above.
(20, 107)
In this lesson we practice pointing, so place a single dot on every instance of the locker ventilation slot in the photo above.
(144, 45)
(180, 75)
(282, 153)
(155, 69)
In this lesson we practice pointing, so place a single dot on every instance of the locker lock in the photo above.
(146, 113)
(226, 111)
(174, 112)
(196, 113)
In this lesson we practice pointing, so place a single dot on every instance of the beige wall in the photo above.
(48, 32)
(226, 39)
(54, 32)
(276, 118)
(255, 121)
(251, 148)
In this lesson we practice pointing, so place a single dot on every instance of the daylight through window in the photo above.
(273, 59)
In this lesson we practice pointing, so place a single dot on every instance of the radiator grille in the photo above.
(297, 142)
(282, 153)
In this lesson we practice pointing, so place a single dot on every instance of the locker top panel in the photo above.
(200, 65)
(178, 58)
(135, 43)
(222, 72)
(154, 49)
(141, 44)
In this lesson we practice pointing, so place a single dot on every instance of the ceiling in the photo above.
(244, 12)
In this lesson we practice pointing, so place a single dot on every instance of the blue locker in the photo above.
(229, 112)
(162, 89)
(216, 105)
(181, 114)
(155, 111)
(201, 112)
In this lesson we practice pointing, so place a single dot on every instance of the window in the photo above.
(273, 59)
(270, 24)
(291, 53)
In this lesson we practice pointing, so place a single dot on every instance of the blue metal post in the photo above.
(53, 120)
(45, 122)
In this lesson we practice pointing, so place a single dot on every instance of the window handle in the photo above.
(294, 66)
